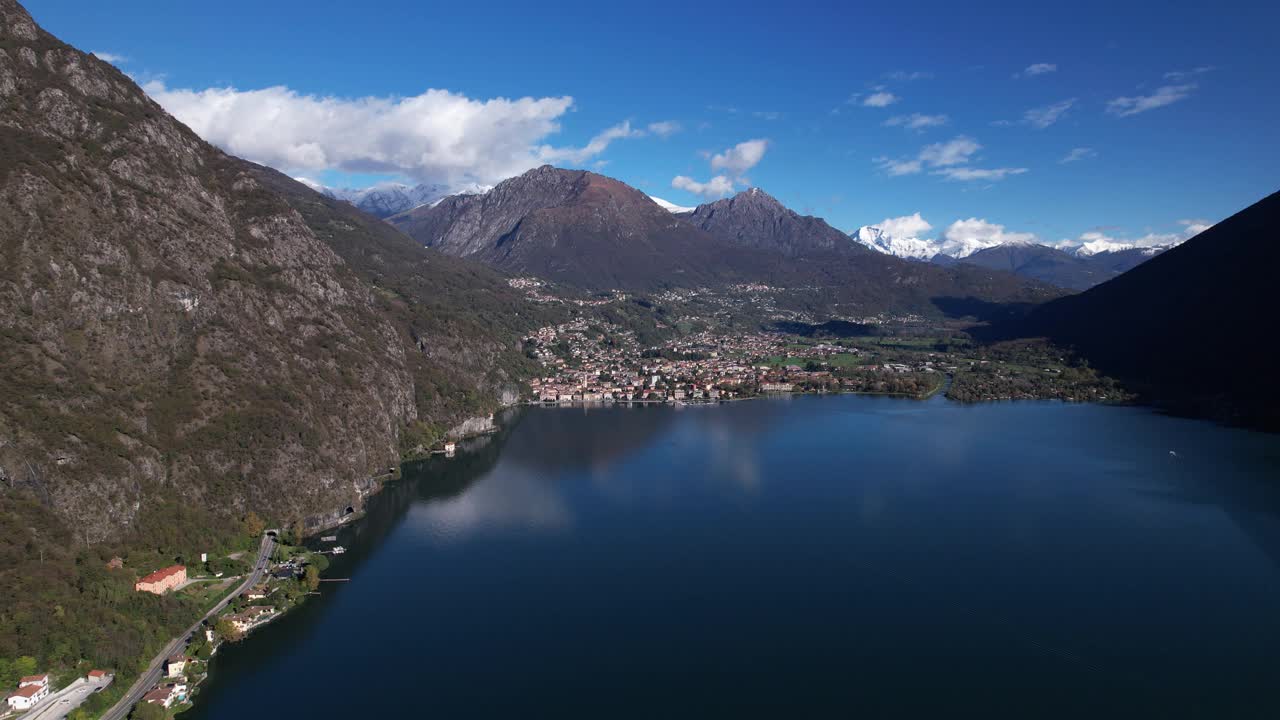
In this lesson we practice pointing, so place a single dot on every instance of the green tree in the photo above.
(311, 576)
(227, 631)
(25, 665)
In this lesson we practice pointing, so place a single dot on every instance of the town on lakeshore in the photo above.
(599, 356)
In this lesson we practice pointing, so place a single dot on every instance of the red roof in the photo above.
(159, 575)
(158, 695)
(29, 691)
(34, 679)
(97, 673)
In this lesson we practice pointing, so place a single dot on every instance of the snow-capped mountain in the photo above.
(904, 247)
(386, 199)
(670, 206)
(955, 244)
(1095, 247)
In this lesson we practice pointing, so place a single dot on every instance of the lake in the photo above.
(798, 557)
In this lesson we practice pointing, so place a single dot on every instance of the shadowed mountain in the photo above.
(1053, 266)
(1187, 328)
(1040, 262)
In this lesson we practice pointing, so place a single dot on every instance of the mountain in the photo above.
(909, 248)
(1187, 327)
(755, 219)
(584, 229)
(570, 226)
(915, 248)
(185, 336)
(1077, 269)
(387, 199)
(670, 206)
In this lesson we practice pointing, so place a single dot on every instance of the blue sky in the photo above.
(1173, 106)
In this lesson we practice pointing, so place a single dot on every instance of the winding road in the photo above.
(155, 670)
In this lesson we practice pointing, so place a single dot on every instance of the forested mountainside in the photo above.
(181, 328)
(1186, 328)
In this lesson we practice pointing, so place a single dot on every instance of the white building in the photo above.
(31, 690)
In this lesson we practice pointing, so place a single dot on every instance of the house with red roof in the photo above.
(162, 581)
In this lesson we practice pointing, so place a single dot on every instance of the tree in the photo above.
(25, 665)
(227, 631)
(311, 576)
(253, 525)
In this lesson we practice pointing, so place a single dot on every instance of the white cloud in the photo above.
(1184, 74)
(916, 121)
(1037, 69)
(1043, 117)
(732, 164)
(665, 128)
(978, 233)
(112, 58)
(741, 157)
(767, 114)
(900, 167)
(438, 136)
(594, 147)
(956, 151)
(880, 99)
(717, 187)
(965, 174)
(1166, 95)
(949, 160)
(906, 226)
(1191, 228)
(1079, 153)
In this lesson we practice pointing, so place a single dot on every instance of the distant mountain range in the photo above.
(1189, 328)
(595, 232)
(1078, 268)
(387, 199)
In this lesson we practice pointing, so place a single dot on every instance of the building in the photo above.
(98, 675)
(250, 616)
(257, 592)
(31, 690)
(41, 680)
(176, 666)
(27, 697)
(162, 581)
(167, 695)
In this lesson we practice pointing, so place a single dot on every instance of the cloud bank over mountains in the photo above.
(436, 137)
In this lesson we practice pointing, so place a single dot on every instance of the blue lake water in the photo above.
(804, 557)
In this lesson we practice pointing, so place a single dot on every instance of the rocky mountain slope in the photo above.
(185, 332)
(570, 226)
(755, 219)
(1188, 327)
